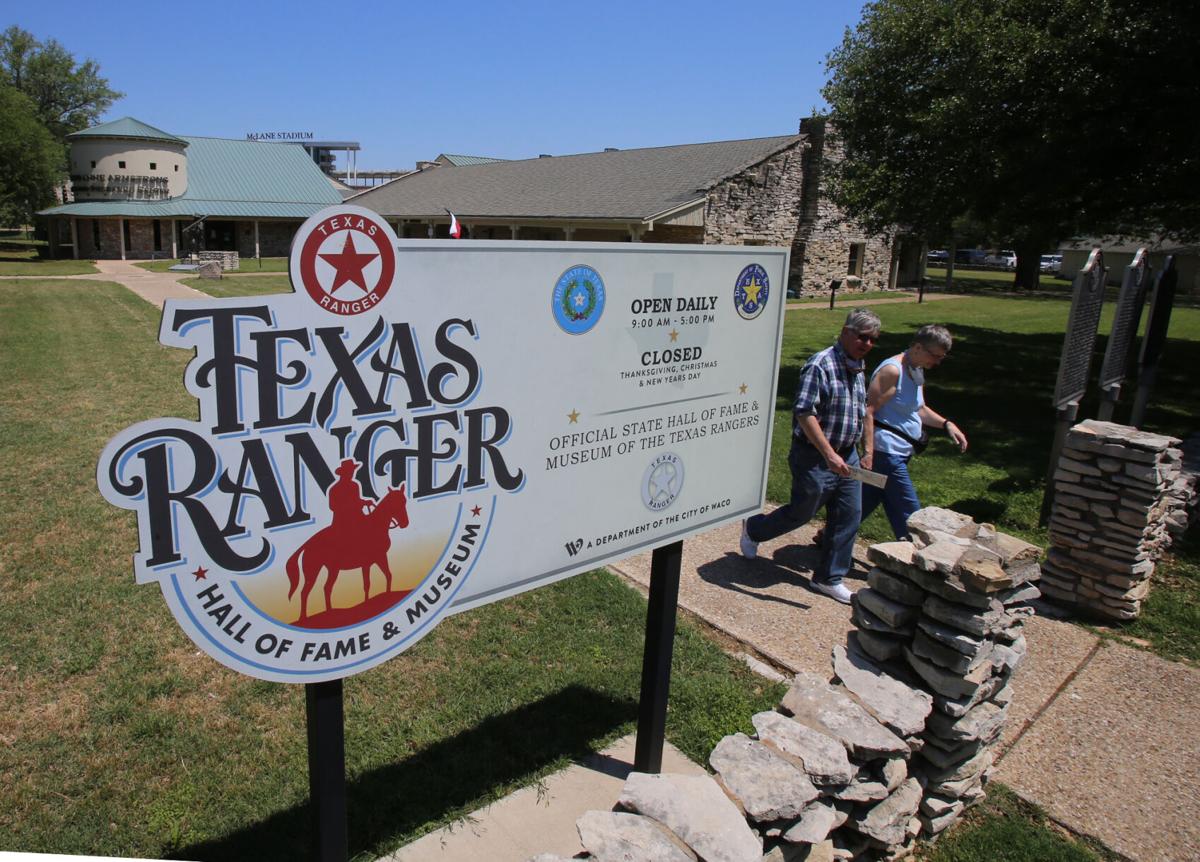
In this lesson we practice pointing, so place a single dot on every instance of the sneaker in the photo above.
(749, 548)
(837, 592)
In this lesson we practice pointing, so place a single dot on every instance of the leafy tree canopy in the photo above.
(67, 96)
(1036, 119)
(30, 159)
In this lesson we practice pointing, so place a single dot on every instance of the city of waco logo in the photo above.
(750, 291)
(338, 488)
(345, 261)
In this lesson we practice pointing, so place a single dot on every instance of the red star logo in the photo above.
(475, 511)
(201, 573)
(349, 264)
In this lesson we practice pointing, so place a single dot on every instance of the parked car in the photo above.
(976, 256)
(1005, 259)
(1052, 264)
(938, 257)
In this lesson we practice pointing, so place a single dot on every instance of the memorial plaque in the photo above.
(1162, 300)
(1087, 298)
(1134, 285)
(426, 426)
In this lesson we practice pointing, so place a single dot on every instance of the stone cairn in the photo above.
(898, 746)
(1121, 496)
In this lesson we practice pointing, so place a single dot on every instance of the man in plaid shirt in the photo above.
(830, 419)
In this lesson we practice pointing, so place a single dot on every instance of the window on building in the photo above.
(177, 169)
(157, 231)
(96, 234)
(121, 165)
(154, 166)
(93, 165)
(125, 231)
(858, 250)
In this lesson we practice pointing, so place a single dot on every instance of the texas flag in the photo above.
(455, 227)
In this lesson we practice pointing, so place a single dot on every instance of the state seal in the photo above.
(578, 299)
(750, 291)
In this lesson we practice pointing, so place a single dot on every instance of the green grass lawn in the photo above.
(26, 262)
(997, 385)
(118, 737)
(236, 285)
(847, 299)
(246, 264)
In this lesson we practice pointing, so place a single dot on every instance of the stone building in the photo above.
(140, 192)
(760, 191)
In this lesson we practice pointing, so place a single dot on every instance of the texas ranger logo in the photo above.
(578, 299)
(750, 291)
(662, 481)
(346, 261)
(339, 486)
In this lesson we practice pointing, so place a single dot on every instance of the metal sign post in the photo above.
(1087, 299)
(1155, 338)
(656, 660)
(1128, 315)
(327, 770)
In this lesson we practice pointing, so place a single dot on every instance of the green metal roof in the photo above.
(231, 179)
(126, 127)
(460, 161)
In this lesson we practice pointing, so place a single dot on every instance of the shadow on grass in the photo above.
(398, 799)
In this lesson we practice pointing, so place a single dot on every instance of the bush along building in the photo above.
(140, 192)
(760, 191)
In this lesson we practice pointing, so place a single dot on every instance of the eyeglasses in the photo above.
(866, 337)
(940, 357)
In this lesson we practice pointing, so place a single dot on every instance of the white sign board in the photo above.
(427, 426)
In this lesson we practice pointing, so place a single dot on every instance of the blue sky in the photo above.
(504, 79)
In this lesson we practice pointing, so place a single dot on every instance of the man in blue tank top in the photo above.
(896, 404)
(829, 420)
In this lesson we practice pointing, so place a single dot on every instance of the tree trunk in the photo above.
(1029, 266)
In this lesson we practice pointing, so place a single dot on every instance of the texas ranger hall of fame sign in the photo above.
(423, 426)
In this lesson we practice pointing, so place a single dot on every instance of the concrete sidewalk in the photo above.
(1104, 737)
(154, 287)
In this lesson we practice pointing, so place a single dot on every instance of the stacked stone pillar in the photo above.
(945, 614)
(1120, 497)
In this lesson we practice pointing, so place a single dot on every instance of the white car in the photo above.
(1051, 263)
(1005, 259)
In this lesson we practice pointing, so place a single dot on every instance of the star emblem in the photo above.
(752, 290)
(349, 264)
(201, 573)
(573, 416)
(580, 300)
(674, 334)
(475, 510)
(742, 389)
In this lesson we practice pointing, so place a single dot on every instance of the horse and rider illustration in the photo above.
(357, 538)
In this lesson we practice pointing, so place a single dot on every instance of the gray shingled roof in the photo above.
(620, 184)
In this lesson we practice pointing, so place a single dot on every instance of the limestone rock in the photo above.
(947, 657)
(814, 825)
(820, 852)
(862, 791)
(887, 822)
(945, 682)
(968, 645)
(982, 575)
(768, 786)
(940, 557)
(941, 520)
(613, 836)
(867, 621)
(697, 811)
(897, 615)
(894, 772)
(898, 706)
(822, 757)
(982, 723)
(879, 646)
(973, 621)
(815, 703)
(895, 587)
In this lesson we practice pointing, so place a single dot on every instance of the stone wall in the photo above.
(1120, 496)
(274, 238)
(822, 242)
(760, 205)
(899, 746)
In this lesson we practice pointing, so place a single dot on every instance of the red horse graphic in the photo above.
(350, 542)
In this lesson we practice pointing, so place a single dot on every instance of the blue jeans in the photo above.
(814, 485)
(898, 496)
